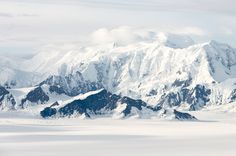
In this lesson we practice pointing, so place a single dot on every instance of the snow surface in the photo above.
(23, 135)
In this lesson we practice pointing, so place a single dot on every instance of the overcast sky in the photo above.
(26, 25)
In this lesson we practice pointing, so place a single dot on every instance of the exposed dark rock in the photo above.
(36, 96)
(93, 103)
(103, 103)
(48, 112)
(152, 93)
(71, 85)
(183, 116)
(199, 97)
(55, 104)
(196, 97)
(233, 96)
(3, 91)
(174, 99)
(57, 89)
(100, 103)
(182, 83)
(5, 94)
(139, 104)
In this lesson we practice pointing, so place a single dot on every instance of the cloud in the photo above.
(11, 15)
(125, 35)
(227, 31)
(27, 15)
(121, 35)
(3, 14)
(191, 31)
(225, 7)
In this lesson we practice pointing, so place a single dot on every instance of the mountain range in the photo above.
(144, 79)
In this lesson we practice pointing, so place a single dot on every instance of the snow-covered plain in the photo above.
(23, 135)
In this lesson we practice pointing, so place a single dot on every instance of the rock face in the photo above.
(3, 91)
(37, 95)
(94, 104)
(183, 116)
(196, 97)
(71, 85)
(7, 100)
(56, 89)
(103, 103)
(199, 97)
(48, 112)
(233, 96)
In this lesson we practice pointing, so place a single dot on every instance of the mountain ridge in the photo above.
(158, 73)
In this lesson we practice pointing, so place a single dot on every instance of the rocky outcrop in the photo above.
(71, 85)
(104, 103)
(196, 97)
(7, 100)
(36, 95)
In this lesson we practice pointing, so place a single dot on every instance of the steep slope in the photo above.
(7, 101)
(42, 95)
(221, 59)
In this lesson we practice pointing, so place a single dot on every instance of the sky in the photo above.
(26, 25)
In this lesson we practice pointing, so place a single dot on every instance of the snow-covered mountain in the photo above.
(14, 74)
(169, 72)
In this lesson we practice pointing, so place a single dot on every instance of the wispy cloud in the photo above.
(225, 7)
(8, 15)
(12, 15)
(27, 15)
(191, 31)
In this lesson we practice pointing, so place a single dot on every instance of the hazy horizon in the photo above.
(27, 25)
